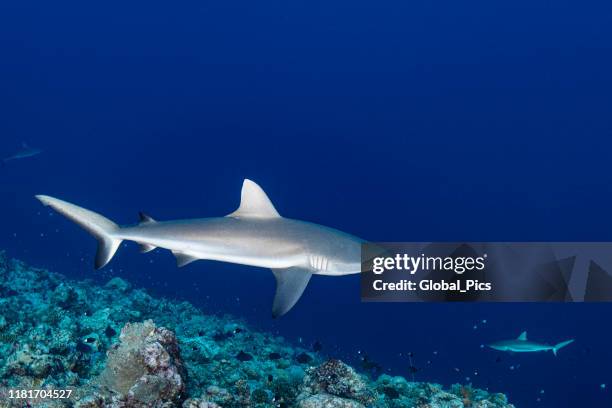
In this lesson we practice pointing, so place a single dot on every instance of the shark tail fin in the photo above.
(100, 227)
(559, 346)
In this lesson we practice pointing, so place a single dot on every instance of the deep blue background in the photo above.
(420, 120)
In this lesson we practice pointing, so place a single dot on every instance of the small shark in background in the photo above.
(255, 234)
(522, 345)
(25, 152)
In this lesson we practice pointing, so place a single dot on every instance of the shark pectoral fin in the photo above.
(522, 336)
(290, 284)
(144, 248)
(183, 259)
(254, 203)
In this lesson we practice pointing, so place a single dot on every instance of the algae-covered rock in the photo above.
(328, 401)
(199, 403)
(118, 285)
(338, 379)
(145, 366)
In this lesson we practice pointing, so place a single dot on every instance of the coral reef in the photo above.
(118, 347)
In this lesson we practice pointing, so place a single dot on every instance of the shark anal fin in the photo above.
(183, 259)
(144, 248)
(522, 336)
(254, 203)
(145, 219)
(290, 284)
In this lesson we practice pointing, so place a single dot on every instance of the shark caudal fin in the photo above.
(100, 227)
(559, 346)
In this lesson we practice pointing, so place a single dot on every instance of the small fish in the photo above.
(303, 358)
(412, 369)
(274, 356)
(25, 152)
(370, 365)
(82, 347)
(242, 356)
(110, 332)
(218, 337)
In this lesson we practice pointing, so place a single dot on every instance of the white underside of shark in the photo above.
(255, 234)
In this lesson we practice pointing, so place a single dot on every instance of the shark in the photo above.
(522, 345)
(255, 234)
(25, 152)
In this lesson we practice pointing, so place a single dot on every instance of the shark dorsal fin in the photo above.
(145, 219)
(254, 203)
(522, 336)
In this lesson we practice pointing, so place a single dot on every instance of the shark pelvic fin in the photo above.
(522, 336)
(145, 219)
(254, 203)
(144, 248)
(183, 259)
(290, 284)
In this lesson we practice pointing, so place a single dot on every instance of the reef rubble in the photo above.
(118, 347)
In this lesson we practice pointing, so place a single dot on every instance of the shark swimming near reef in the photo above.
(522, 345)
(255, 234)
(25, 152)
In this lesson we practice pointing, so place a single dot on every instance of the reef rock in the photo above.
(119, 347)
(328, 401)
(199, 403)
(145, 368)
(336, 379)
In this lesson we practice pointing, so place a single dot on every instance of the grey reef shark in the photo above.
(255, 234)
(522, 345)
(25, 152)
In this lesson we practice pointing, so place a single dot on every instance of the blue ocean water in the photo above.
(395, 121)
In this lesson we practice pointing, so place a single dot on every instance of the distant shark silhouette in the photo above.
(25, 152)
(255, 234)
(522, 345)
